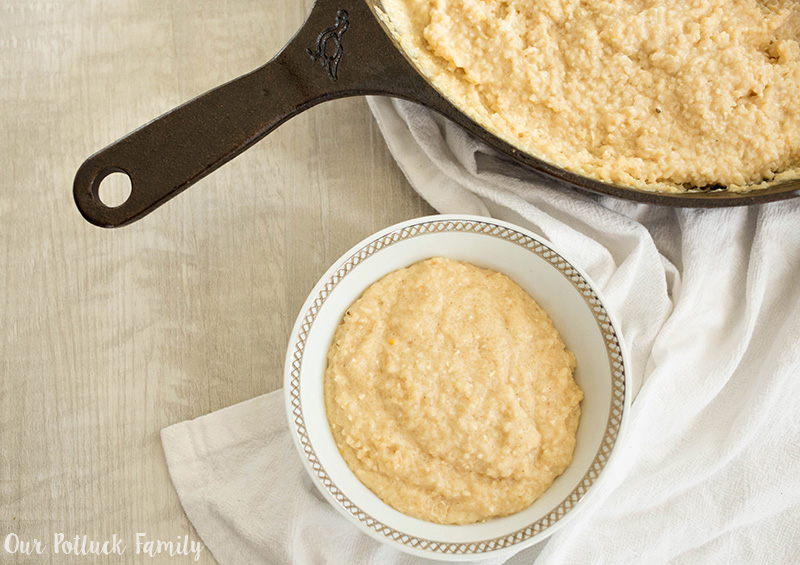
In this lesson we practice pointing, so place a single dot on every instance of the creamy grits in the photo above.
(450, 393)
(657, 95)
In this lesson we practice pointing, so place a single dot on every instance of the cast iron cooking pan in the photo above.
(342, 49)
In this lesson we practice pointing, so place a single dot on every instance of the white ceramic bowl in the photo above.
(573, 304)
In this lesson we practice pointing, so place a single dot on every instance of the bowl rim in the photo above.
(554, 518)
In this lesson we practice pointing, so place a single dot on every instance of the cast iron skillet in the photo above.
(342, 49)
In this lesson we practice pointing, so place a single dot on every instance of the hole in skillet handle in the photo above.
(114, 189)
(109, 193)
(103, 195)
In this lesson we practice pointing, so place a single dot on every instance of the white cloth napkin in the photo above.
(708, 302)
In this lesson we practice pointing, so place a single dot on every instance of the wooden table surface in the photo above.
(110, 335)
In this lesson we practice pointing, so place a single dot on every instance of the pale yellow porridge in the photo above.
(450, 393)
(652, 94)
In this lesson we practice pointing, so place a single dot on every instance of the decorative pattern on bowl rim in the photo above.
(614, 356)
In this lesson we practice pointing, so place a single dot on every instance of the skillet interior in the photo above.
(705, 198)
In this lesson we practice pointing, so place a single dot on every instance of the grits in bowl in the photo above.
(450, 393)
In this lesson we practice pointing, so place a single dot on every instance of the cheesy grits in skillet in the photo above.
(656, 95)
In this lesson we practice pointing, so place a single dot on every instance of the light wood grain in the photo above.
(110, 335)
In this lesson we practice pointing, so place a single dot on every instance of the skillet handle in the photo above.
(169, 154)
(341, 50)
